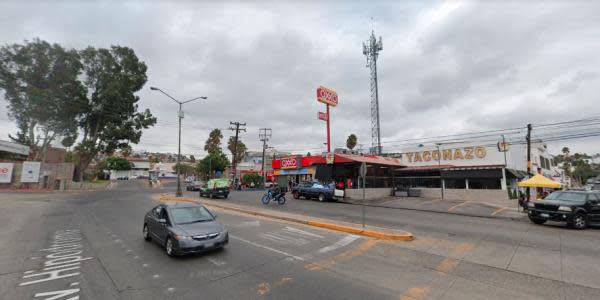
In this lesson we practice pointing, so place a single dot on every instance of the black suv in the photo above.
(576, 208)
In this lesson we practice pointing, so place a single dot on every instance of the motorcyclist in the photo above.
(275, 190)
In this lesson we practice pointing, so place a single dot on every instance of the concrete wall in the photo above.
(374, 193)
(52, 176)
(498, 197)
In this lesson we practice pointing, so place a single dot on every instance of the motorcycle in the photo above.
(279, 198)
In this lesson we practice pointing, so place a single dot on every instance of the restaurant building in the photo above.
(471, 171)
(340, 167)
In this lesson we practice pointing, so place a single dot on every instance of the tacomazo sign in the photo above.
(323, 116)
(327, 96)
(289, 163)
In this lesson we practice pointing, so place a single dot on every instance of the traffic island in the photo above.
(369, 231)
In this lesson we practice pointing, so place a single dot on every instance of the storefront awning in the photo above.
(539, 181)
(369, 159)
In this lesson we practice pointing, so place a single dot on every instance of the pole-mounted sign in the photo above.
(330, 98)
(322, 116)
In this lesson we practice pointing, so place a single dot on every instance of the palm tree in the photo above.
(351, 141)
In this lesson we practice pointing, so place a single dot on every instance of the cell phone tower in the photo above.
(371, 50)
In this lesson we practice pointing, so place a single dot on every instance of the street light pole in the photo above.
(178, 193)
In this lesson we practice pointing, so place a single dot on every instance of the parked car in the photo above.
(215, 188)
(194, 186)
(184, 228)
(310, 190)
(268, 184)
(576, 208)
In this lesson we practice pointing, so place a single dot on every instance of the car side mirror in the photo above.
(162, 221)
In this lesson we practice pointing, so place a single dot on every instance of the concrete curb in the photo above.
(443, 212)
(378, 234)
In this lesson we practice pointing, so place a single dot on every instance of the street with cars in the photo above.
(92, 245)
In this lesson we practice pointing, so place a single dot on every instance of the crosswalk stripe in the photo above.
(341, 243)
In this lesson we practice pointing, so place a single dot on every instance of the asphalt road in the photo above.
(453, 257)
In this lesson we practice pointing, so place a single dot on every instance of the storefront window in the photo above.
(455, 183)
(484, 183)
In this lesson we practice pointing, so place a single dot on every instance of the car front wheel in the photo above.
(146, 233)
(579, 221)
(169, 247)
(537, 221)
(321, 197)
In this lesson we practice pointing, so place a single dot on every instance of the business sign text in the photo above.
(466, 153)
(327, 96)
(289, 163)
(323, 116)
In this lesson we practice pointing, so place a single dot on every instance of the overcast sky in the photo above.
(445, 67)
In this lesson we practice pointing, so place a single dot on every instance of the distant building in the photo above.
(13, 151)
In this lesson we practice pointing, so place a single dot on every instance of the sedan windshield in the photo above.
(187, 215)
(567, 196)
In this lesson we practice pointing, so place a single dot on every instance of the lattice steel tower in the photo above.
(371, 50)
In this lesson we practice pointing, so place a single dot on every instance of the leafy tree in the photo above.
(351, 141)
(211, 163)
(126, 151)
(118, 163)
(109, 117)
(185, 169)
(213, 143)
(252, 177)
(40, 83)
(241, 149)
(192, 159)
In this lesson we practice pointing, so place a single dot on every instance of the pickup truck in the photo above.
(310, 190)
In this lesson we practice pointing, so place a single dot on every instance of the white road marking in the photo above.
(216, 262)
(284, 239)
(145, 265)
(155, 276)
(136, 257)
(266, 247)
(117, 241)
(170, 289)
(296, 230)
(250, 224)
(341, 243)
(74, 283)
(35, 257)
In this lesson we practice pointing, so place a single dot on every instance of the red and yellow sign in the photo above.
(289, 163)
(327, 96)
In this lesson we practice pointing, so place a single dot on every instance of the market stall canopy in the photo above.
(539, 181)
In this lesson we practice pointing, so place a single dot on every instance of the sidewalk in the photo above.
(467, 208)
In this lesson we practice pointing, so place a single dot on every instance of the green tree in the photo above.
(241, 149)
(253, 178)
(185, 169)
(109, 117)
(213, 143)
(192, 159)
(566, 161)
(351, 141)
(211, 163)
(40, 83)
(118, 163)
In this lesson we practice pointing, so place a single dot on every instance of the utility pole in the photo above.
(237, 130)
(264, 135)
(528, 138)
(440, 168)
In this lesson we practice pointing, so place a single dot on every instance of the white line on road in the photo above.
(266, 247)
(296, 230)
(216, 262)
(341, 243)
(285, 239)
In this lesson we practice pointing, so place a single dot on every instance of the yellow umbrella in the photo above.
(539, 181)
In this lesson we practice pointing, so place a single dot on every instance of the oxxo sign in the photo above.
(466, 153)
(327, 96)
(289, 163)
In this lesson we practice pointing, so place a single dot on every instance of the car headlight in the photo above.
(564, 208)
(183, 237)
(530, 204)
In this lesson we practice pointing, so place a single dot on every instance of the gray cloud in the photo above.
(480, 66)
